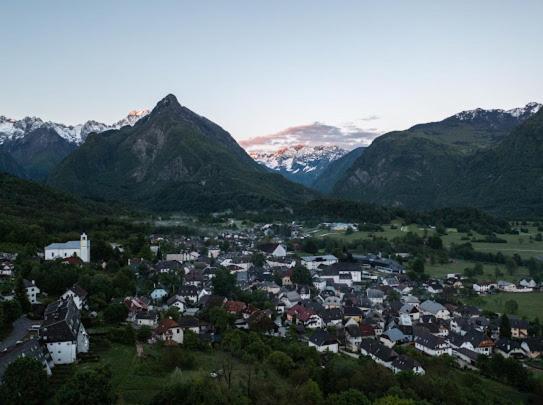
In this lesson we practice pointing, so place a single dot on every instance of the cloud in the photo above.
(348, 136)
(369, 118)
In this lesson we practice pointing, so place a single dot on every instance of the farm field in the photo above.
(530, 304)
(441, 270)
(523, 244)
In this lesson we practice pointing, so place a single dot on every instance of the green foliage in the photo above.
(144, 333)
(224, 283)
(87, 387)
(20, 295)
(505, 327)
(24, 382)
(281, 362)
(115, 313)
(511, 306)
(301, 275)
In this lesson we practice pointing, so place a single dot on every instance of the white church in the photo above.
(79, 248)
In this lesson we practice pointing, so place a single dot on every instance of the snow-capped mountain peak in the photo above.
(521, 112)
(11, 129)
(300, 163)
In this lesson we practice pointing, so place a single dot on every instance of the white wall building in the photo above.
(80, 248)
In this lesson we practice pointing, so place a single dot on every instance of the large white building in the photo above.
(80, 248)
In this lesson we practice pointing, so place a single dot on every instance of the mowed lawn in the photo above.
(530, 305)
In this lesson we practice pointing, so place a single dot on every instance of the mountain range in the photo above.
(299, 163)
(37, 146)
(173, 159)
(447, 163)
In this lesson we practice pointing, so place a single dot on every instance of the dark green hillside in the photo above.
(465, 160)
(39, 152)
(335, 170)
(173, 160)
(33, 215)
(10, 166)
(507, 179)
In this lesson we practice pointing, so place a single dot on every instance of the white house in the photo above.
(324, 342)
(63, 332)
(32, 291)
(80, 248)
(429, 307)
(169, 332)
(312, 262)
(78, 294)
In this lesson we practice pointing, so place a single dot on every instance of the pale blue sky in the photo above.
(256, 67)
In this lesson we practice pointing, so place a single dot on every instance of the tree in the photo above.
(24, 382)
(309, 393)
(505, 327)
(258, 259)
(351, 396)
(435, 242)
(115, 313)
(301, 275)
(221, 319)
(281, 362)
(224, 283)
(20, 295)
(511, 307)
(418, 265)
(394, 400)
(87, 387)
(511, 266)
(144, 333)
(310, 246)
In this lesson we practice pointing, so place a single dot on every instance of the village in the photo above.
(364, 306)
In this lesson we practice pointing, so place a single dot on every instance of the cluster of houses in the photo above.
(365, 307)
(59, 338)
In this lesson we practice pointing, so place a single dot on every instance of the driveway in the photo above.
(20, 330)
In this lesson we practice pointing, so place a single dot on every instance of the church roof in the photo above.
(73, 244)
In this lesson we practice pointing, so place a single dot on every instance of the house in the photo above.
(32, 291)
(189, 323)
(78, 294)
(146, 319)
(509, 348)
(62, 331)
(528, 283)
(80, 248)
(158, 293)
(434, 308)
(406, 364)
(235, 307)
(430, 344)
(30, 348)
(378, 352)
(189, 293)
(519, 327)
(323, 341)
(176, 302)
(313, 262)
(484, 287)
(533, 347)
(475, 341)
(353, 337)
(273, 249)
(306, 316)
(375, 296)
(169, 332)
(393, 336)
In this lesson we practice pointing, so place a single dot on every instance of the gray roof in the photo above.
(73, 244)
(431, 306)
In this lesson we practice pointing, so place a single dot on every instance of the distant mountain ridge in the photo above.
(299, 163)
(416, 168)
(173, 160)
(12, 129)
(38, 146)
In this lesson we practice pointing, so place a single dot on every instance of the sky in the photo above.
(259, 67)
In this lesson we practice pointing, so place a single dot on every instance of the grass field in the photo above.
(530, 304)
(441, 270)
(524, 244)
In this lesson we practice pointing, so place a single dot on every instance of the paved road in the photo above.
(20, 330)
